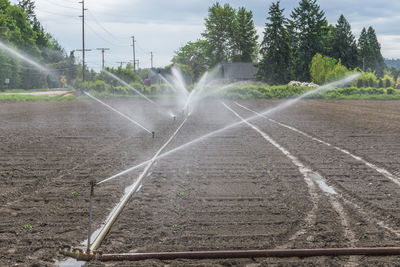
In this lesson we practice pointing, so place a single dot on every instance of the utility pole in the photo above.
(83, 39)
(102, 55)
(122, 62)
(151, 53)
(134, 56)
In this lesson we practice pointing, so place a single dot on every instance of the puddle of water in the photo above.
(70, 263)
(322, 183)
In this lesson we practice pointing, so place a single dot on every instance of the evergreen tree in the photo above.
(309, 27)
(275, 50)
(364, 49)
(370, 52)
(244, 37)
(219, 27)
(344, 46)
(377, 63)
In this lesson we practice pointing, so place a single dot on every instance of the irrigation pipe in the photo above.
(224, 254)
(118, 209)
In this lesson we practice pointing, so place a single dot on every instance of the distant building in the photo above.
(239, 71)
(155, 76)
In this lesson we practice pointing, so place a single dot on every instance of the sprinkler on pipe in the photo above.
(153, 134)
(174, 117)
(92, 184)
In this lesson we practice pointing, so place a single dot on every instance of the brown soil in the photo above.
(234, 190)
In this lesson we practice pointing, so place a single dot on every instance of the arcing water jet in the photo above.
(132, 189)
(119, 113)
(127, 85)
(24, 58)
(283, 105)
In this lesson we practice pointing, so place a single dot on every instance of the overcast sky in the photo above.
(162, 26)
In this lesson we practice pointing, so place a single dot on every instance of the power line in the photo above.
(122, 62)
(101, 26)
(100, 36)
(57, 4)
(57, 14)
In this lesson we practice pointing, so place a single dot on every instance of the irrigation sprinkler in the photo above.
(153, 134)
(92, 184)
(133, 188)
(174, 117)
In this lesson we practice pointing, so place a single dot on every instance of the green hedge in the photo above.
(287, 91)
(260, 91)
(102, 88)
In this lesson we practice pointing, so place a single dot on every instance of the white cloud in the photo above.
(164, 26)
(391, 44)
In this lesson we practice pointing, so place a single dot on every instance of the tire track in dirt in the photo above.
(234, 195)
(395, 179)
(309, 175)
(345, 194)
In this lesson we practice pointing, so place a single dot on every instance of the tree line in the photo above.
(288, 44)
(286, 52)
(20, 29)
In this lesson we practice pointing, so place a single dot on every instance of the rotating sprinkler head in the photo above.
(153, 134)
(174, 117)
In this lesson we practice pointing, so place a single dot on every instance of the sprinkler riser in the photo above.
(92, 184)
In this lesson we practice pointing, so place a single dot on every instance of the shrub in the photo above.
(326, 69)
(154, 89)
(99, 85)
(390, 91)
(388, 81)
(138, 86)
(380, 83)
(367, 79)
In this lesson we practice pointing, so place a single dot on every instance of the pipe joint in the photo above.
(79, 254)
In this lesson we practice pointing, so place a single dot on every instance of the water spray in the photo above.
(268, 111)
(132, 189)
(127, 85)
(116, 111)
(24, 58)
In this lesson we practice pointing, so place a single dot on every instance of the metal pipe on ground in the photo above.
(118, 209)
(279, 253)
